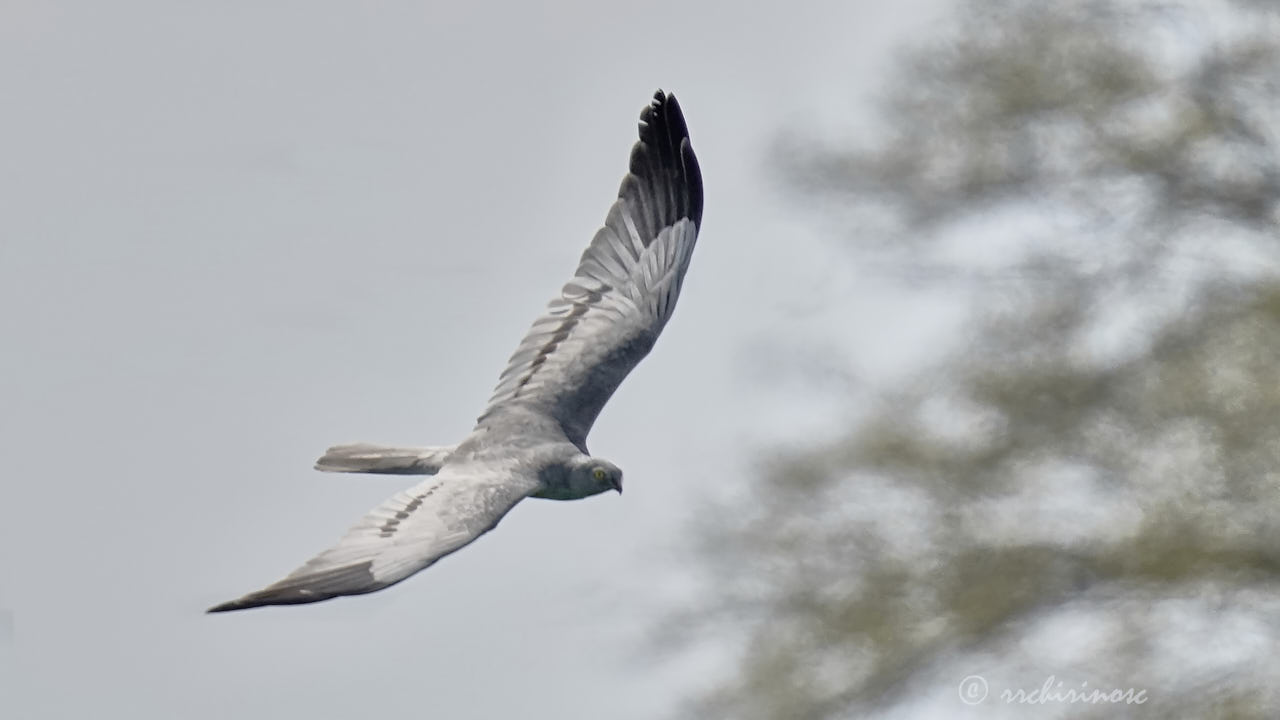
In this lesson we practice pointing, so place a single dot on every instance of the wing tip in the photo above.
(252, 600)
(266, 597)
(301, 588)
(229, 606)
(664, 131)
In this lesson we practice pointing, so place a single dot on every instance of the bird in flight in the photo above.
(531, 440)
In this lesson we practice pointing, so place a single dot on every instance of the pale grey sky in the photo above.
(232, 234)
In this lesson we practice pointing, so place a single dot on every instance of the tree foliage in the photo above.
(1089, 486)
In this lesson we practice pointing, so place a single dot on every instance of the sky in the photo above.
(233, 234)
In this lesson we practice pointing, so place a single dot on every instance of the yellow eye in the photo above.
(599, 473)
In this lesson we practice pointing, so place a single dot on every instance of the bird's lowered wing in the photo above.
(403, 535)
(607, 317)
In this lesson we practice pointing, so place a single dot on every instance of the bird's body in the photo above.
(540, 449)
(531, 439)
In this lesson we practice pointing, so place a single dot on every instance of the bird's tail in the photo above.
(383, 459)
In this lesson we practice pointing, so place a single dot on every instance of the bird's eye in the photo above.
(599, 473)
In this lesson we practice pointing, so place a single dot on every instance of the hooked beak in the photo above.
(617, 485)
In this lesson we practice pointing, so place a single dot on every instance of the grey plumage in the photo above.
(403, 535)
(530, 441)
(383, 459)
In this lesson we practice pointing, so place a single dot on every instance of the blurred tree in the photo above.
(1089, 487)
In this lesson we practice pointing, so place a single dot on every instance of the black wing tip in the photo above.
(267, 597)
(663, 131)
(252, 600)
(231, 605)
(693, 176)
(354, 579)
(262, 598)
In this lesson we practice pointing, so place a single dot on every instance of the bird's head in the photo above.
(596, 475)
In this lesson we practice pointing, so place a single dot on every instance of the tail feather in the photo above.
(383, 459)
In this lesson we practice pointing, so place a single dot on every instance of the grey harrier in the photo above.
(531, 440)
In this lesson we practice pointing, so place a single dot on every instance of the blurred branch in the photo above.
(1031, 472)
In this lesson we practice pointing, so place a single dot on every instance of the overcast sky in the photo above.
(232, 234)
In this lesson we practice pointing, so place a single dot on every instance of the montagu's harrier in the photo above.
(531, 441)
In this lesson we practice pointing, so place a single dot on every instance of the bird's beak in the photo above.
(618, 486)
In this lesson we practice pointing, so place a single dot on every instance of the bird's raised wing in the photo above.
(403, 535)
(607, 317)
